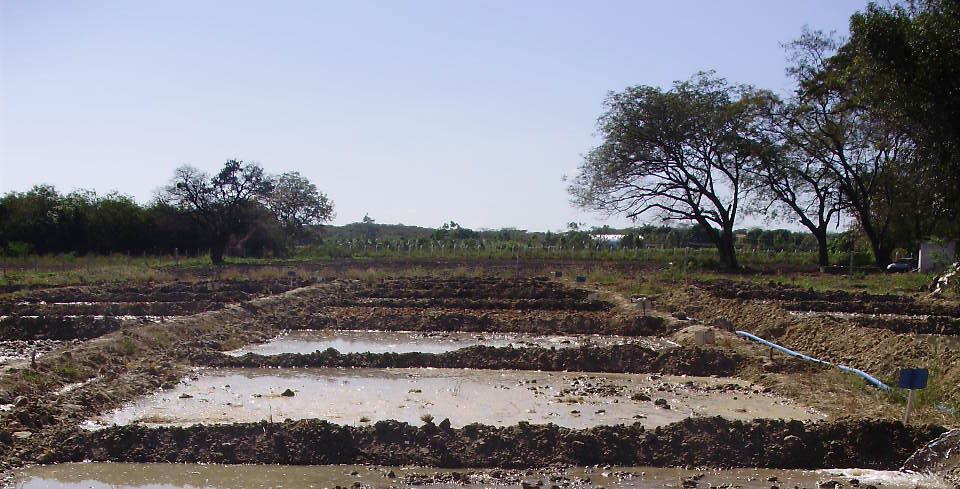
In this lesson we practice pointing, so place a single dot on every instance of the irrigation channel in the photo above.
(422, 381)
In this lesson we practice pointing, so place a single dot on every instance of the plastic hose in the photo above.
(869, 378)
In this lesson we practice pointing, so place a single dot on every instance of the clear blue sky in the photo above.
(412, 111)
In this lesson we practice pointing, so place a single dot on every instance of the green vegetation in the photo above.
(871, 121)
(240, 210)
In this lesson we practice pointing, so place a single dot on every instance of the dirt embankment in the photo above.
(797, 299)
(930, 325)
(702, 442)
(56, 328)
(212, 290)
(616, 358)
(111, 308)
(463, 293)
(473, 303)
(866, 307)
(877, 351)
(525, 321)
(471, 288)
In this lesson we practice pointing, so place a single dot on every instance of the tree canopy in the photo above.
(682, 154)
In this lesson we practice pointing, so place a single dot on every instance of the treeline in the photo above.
(370, 232)
(43, 220)
(46, 221)
(870, 134)
(240, 211)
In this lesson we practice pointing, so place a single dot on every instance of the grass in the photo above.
(668, 267)
(874, 283)
(70, 370)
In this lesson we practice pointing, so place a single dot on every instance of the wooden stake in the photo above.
(906, 413)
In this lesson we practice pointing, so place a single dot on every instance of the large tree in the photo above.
(221, 203)
(902, 63)
(789, 182)
(682, 154)
(793, 178)
(867, 158)
(297, 204)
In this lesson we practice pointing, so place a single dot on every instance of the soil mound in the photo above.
(702, 442)
(616, 358)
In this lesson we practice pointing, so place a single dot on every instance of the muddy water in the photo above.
(358, 396)
(162, 476)
(855, 315)
(350, 341)
(23, 349)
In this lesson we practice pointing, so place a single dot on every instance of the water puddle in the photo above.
(360, 396)
(163, 476)
(11, 350)
(856, 315)
(352, 341)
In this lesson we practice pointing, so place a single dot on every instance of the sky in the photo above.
(416, 112)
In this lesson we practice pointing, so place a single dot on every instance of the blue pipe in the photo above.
(869, 378)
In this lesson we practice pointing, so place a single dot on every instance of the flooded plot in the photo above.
(348, 341)
(162, 476)
(360, 396)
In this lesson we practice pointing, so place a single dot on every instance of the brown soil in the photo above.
(472, 288)
(111, 308)
(797, 299)
(56, 328)
(523, 321)
(702, 442)
(617, 358)
(930, 325)
(215, 291)
(878, 351)
(123, 365)
(563, 304)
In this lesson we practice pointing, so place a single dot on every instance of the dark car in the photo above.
(901, 266)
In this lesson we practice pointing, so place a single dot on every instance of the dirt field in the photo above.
(102, 351)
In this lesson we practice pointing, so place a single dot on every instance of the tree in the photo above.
(453, 231)
(32, 217)
(222, 203)
(297, 204)
(789, 178)
(866, 158)
(902, 63)
(682, 153)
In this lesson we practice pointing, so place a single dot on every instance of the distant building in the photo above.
(934, 256)
(611, 240)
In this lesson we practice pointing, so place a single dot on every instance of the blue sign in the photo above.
(581, 279)
(913, 378)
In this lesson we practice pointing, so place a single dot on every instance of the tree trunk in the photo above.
(216, 254)
(728, 254)
(878, 240)
(881, 254)
(218, 247)
(823, 253)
